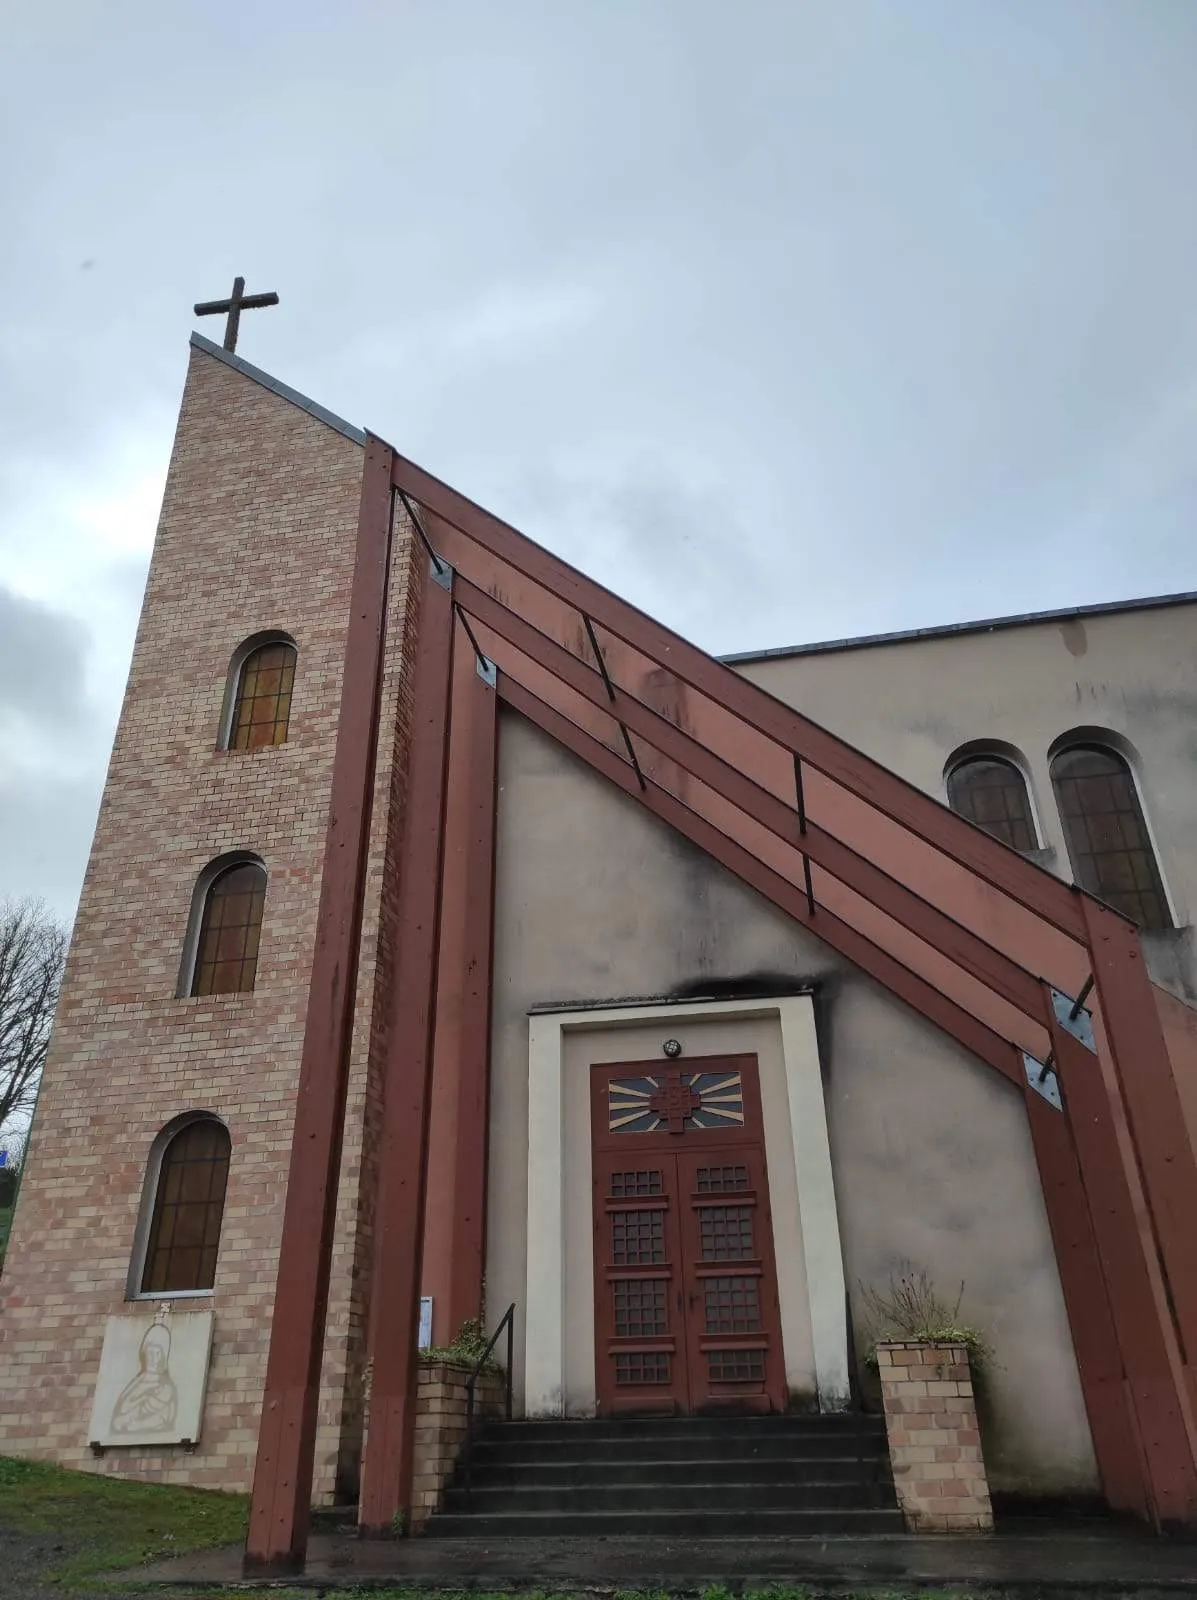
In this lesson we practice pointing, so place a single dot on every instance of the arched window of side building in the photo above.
(989, 790)
(221, 955)
(258, 709)
(183, 1207)
(1108, 843)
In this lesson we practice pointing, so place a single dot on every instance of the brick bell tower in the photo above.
(159, 1031)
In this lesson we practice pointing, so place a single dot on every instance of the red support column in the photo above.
(1092, 1270)
(455, 1206)
(403, 1152)
(278, 1525)
(1112, 1421)
(1139, 1052)
(1153, 1369)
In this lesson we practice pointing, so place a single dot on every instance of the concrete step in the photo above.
(823, 1522)
(684, 1498)
(793, 1425)
(658, 1467)
(581, 1447)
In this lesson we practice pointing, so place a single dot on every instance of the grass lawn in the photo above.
(109, 1523)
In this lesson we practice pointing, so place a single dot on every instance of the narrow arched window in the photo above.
(226, 949)
(261, 712)
(1104, 827)
(992, 792)
(184, 1233)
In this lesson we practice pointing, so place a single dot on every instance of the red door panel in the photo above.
(733, 1319)
(638, 1284)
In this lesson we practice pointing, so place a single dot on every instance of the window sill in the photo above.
(258, 750)
(1168, 955)
(1045, 858)
(169, 1294)
(225, 995)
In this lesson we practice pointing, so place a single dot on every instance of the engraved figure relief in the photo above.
(149, 1402)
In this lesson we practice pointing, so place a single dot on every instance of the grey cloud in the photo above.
(41, 662)
(789, 321)
(689, 558)
(46, 825)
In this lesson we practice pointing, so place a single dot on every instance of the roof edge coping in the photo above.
(950, 629)
(283, 390)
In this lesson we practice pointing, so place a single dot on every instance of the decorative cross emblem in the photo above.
(237, 302)
(674, 1101)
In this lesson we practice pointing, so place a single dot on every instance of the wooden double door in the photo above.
(686, 1311)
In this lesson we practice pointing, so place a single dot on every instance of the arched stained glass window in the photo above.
(184, 1232)
(992, 792)
(226, 950)
(262, 705)
(1108, 843)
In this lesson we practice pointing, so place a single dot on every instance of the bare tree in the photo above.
(32, 952)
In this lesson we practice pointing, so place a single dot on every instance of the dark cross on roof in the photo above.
(237, 302)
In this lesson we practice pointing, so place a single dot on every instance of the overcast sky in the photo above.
(787, 320)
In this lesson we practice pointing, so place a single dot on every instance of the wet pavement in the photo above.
(1103, 1559)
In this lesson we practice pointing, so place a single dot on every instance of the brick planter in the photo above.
(934, 1440)
(441, 1430)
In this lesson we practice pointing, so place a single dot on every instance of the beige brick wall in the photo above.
(441, 1427)
(934, 1440)
(257, 531)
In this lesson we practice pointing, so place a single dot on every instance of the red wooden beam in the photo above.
(1152, 1360)
(925, 817)
(455, 1206)
(1108, 1399)
(991, 967)
(1112, 1421)
(403, 1147)
(282, 1490)
(1135, 1039)
(878, 963)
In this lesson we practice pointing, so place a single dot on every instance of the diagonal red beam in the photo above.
(966, 1029)
(1135, 1041)
(1171, 1175)
(990, 860)
(990, 913)
(282, 1490)
(1113, 1423)
(1152, 1358)
(991, 967)
(403, 1148)
(1108, 1395)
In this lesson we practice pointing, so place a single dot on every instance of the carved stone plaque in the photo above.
(153, 1374)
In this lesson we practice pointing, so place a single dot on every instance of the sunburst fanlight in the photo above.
(675, 1101)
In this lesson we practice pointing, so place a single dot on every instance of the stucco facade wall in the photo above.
(598, 902)
(1133, 674)
(257, 532)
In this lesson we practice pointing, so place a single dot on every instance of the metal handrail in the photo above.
(508, 1322)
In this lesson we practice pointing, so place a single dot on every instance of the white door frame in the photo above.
(544, 1306)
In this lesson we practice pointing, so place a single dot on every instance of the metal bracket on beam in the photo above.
(1074, 1018)
(1041, 1076)
(443, 575)
(487, 671)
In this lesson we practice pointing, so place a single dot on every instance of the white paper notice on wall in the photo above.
(152, 1379)
(425, 1322)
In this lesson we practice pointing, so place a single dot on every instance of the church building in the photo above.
(453, 932)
